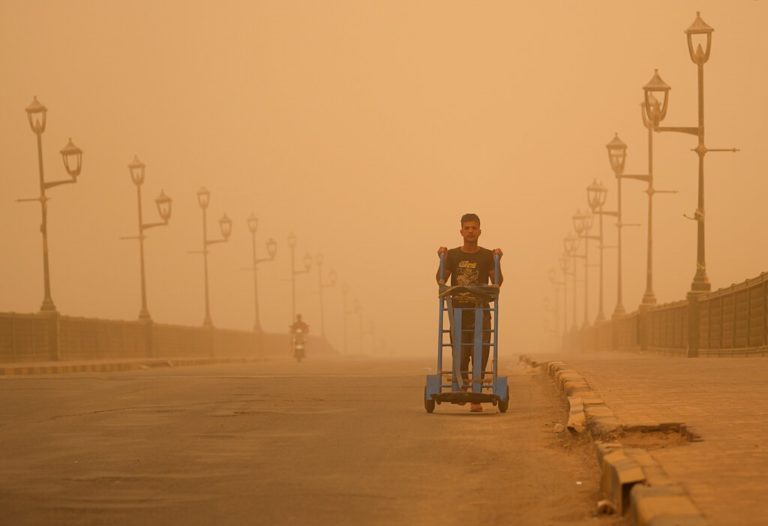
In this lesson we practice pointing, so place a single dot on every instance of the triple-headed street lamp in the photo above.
(225, 225)
(73, 159)
(253, 224)
(294, 272)
(656, 101)
(323, 285)
(136, 169)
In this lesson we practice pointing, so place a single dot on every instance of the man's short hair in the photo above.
(470, 217)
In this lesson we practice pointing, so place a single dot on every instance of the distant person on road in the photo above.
(470, 264)
(299, 326)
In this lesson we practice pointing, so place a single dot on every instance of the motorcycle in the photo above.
(298, 344)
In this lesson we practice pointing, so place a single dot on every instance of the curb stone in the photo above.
(631, 479)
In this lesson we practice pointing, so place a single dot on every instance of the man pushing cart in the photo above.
(472, 308)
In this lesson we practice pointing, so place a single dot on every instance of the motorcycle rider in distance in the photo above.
(298, 330)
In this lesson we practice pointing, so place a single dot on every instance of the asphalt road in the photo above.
(341, 441)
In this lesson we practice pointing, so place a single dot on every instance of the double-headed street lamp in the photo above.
(225, 225)
(323, 285)
(73, 159)
(253, 225)
(294, 272)
(596, 195)
(656, 101)
(136, 169)
(582, 224)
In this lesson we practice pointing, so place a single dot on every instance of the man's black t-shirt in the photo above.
(469, 269)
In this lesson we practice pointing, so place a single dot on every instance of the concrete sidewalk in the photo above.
(724, 401)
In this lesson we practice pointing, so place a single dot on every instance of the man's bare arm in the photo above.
(442, 251)
(497, 251)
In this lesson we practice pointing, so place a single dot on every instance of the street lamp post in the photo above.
(596, 196)
(358, 309)
(323, 285)
(253, 224)
(564, 269)
(571, 245)
(582, 224)
(225, 225)
(617, 155)
(294, 272)
(552, 274)
(72, 157)
(372, 332)
(346, 312)
(649, 298)
(136, 169)
(656, 101)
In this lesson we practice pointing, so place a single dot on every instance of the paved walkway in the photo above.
(722, 400)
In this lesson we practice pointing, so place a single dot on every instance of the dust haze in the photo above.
(367, 129)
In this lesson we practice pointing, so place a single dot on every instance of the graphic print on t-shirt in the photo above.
(467, 273)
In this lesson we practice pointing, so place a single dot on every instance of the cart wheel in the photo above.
(503, 405)
(429, 404)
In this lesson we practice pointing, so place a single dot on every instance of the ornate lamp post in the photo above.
(323, 285)
(136, 169)
(656, 102)
(564, 269)
(225, 225)
(571, 245)
(596, 195)
(346, 312)
(582, 224)
(294, 272)
(271, 244)
(372, 332)
(617, 155)
(649, 298)
(552, 274)
(358, 309)
(72, 156)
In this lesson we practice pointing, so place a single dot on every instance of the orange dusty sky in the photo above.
(368, 128)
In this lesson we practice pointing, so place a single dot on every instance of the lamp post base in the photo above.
(649, 298)
(47, 306)
(700, 285)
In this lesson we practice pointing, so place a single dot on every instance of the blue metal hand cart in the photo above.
(448, 385)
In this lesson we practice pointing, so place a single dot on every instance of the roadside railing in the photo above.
(726, 322)
(52, 337)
